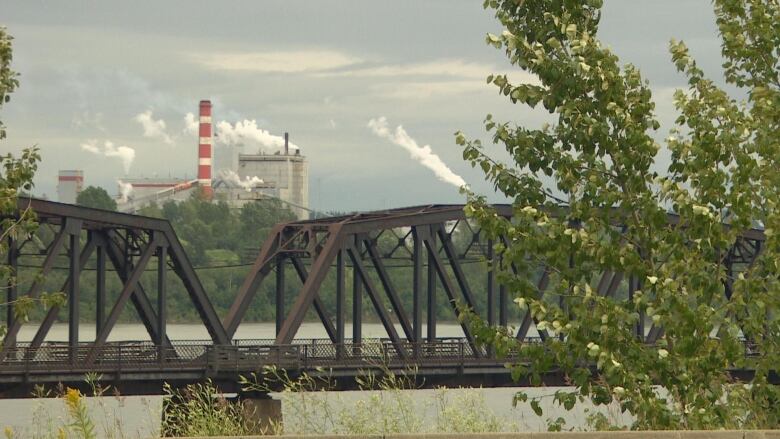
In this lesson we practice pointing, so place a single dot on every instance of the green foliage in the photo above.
(97, 197)
(16, 177)
(200, 410)
(587, 201)
(8, 78)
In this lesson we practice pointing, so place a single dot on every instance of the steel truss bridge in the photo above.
(435, 241)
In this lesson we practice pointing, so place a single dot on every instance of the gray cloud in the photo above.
(89, 67)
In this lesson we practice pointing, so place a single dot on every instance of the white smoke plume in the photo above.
(155, 129)
(248, 183)
(125, 189)
(247, 133)
(190, 124)
(422, 154)
(123, 153)
(90, 147)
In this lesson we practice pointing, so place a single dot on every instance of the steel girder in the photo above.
(128, 243)
(422, 235)
(424, 239)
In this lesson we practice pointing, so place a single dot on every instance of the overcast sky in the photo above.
(318, 69)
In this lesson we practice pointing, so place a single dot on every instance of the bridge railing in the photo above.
(242, 355)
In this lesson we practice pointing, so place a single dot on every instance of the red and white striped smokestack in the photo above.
(204, 149)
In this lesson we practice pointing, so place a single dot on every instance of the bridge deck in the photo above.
(141, 367)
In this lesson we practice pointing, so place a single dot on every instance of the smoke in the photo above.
(247, 133)
(190, 124)
(154, 129)
(248, 183)
(123, 153)
(90, 147)
(422, 154)
(125, 189)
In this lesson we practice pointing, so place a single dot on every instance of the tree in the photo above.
(97, 197)
(16, 178)
(607, 210)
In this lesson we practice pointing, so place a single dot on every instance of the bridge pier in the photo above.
(262, 411)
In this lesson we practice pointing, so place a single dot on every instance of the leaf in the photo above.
(535, 407)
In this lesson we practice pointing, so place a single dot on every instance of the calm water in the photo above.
(59, 332)
(139, 416)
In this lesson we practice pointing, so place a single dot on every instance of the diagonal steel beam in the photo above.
(183, 268)
(51, 315)
(35, 289)
(457, 270)
(606, 277)
(307, 294)
(319, 306)
(262, 266)
(614, 283)
(140, 299)
(124, 296)
(384, 317)
(525, 325)
(392, 294)
(433, 258)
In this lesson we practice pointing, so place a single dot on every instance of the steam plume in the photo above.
(190, 124)
(154, 129)
(422, 154)
(123, 153)
(248, 183)
(125, 189)
(246, 132)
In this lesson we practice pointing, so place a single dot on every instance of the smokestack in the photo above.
(204, 149)
(286, 144)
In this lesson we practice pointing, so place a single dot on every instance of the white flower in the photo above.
(663, 353)
(520, 301)
(652, 279)
(618, 391)
(530, 210)
(702, 411)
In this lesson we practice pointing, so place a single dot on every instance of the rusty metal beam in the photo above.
(124, 295)
(260, 269)
(373, 294)
(449, 289)
(392, 294)
(13, 279)
(457, 270)
(309, 291)
(522, 331)
(319, 305)
(35, 289)
(51, 315)
(183, 268)
(417, 286)
(139, 298)
(357, 298)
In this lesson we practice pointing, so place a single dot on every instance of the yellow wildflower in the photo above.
(72, 397)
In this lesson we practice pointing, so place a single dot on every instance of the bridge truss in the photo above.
(434, 241)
